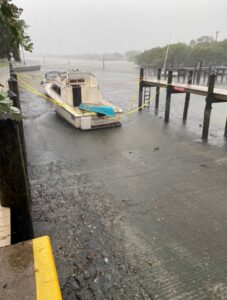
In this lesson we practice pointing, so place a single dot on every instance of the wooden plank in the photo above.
(5, 229)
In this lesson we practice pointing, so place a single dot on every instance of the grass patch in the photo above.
(3, 65)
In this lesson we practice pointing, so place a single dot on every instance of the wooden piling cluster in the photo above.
(200, 73)
(212, 95)
(14, 184)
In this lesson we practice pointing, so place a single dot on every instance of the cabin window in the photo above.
(57, 89)
(76, 95)
(77, 80)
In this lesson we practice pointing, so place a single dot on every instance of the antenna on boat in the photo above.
(167, 52)
(103, 63)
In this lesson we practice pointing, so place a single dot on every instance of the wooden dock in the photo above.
(219, 94)
(212, 95)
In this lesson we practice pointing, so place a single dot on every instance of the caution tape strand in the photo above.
(31, 89)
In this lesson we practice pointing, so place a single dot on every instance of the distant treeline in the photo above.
(129, 55)
(205, 48)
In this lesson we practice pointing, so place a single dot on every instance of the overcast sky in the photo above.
(80, 26)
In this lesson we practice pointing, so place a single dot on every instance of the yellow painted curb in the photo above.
(47, 286)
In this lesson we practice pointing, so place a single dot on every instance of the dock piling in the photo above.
(187, 97)
(222, 75)
(157, 92)
(208, 107)
(184, 76)
(141, 89)
(213, 95)
(13, 86)
(168, 95)
(198, 75)
(225, 134)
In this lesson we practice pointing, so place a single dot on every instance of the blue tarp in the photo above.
(105, 110)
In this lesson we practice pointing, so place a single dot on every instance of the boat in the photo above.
(78, 100)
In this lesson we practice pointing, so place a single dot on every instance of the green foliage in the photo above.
(7, 110)
(204, 48)
(131, 55)
(12, 33)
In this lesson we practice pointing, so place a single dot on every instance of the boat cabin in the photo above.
(76, 88)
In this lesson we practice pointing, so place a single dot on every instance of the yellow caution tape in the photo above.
(67, 107)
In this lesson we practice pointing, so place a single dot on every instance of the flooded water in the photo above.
(119, 84)
(136, 212)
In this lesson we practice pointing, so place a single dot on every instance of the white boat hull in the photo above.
(81, 119)
(88, 122)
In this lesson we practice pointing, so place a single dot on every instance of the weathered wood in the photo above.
(13, 86)
(14, 185)
(14, 182)
(225, 133)
(141, 89)
(168, 96)
(187, 97)
(157, 92)
(219, 94)
(208, 107)
(194, 75)
(204, 75)
(222, 75)
(198, 76)
(178, 75)
(184, 75)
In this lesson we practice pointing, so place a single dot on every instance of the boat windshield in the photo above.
(51, 75)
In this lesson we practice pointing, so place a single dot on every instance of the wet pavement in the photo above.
(137, 212)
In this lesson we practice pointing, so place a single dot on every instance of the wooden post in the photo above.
(14, 186)
(13, 86)
(204, 75)
(187, 97)
(200, 65)
(157, 92)
(225, 134)
(168, 96)
(208, 107)
(222, 75)
(178, 75)
(141, 89)
(184, 75)
(217, 74)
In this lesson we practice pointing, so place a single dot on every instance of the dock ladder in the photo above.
(147, 97)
